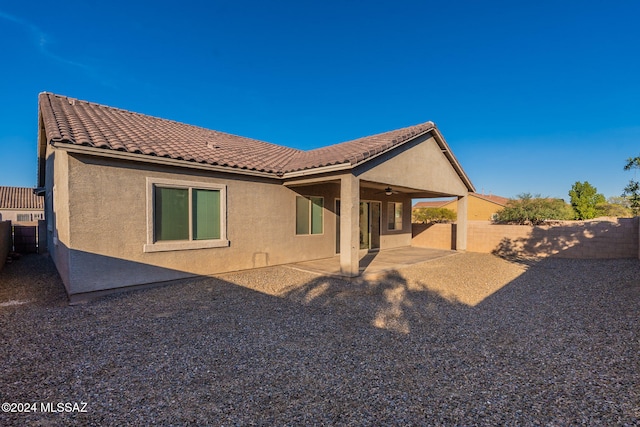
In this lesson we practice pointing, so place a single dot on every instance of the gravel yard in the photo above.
(469, 339)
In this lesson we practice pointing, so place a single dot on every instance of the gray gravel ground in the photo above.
(468, 340)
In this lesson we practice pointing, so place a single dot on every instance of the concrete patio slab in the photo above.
(376, 262)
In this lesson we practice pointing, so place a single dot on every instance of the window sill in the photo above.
(183, 246)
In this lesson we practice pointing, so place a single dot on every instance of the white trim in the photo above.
(153, 246)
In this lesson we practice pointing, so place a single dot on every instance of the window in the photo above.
(185, 215)
(309, 215)
(24, 217)
(394, 216)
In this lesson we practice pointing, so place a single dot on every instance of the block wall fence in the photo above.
(6, 241)
(610, 238)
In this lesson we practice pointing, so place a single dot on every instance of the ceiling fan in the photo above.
(388, 191)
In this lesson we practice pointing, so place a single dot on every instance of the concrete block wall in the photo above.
(437, 236)
(6, 241)
(611, 238)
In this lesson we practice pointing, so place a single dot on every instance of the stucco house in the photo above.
(480, 207)
(133, 199)
(20, 205)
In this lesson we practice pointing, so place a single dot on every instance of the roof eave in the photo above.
(145, 158)
(317, 170)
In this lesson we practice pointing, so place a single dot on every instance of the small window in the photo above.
(185, 215)
(309, 215)
(395, 216)
(24, 217)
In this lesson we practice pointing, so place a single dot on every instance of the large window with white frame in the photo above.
(394, 216)
(185, 215)
(309, 215)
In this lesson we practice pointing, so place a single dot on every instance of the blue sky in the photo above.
(531, 96)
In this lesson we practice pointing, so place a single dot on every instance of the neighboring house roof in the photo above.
(434, 204)
(20, 198)
(502, 201)
(84, 124)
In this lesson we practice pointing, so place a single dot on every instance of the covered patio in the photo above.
(375, 262)
(373, 197)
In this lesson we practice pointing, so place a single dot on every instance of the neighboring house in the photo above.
(133, 199)
(481, 207)
(20, 206)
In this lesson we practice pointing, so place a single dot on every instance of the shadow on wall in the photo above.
(614, 238)
(584, 240)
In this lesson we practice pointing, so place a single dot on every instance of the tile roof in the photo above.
(81, 123)
(502, 201)
(20, 198)
(357, 150)
(432, 204)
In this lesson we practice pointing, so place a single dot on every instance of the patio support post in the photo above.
(349, 225)
(461, 228)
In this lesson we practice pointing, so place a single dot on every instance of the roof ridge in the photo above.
(137, 114)
(79, 122)
(358, 153)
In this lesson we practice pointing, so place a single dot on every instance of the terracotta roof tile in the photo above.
(19, 198)
(502, 201)
(357, 150)
(75, 122)
(432, 204)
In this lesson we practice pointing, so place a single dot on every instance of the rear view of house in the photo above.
(133, 199)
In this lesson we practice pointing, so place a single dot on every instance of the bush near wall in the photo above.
(431, 215)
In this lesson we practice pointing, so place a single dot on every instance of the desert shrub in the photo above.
(429, 215)
(614, 208)
(534, 210)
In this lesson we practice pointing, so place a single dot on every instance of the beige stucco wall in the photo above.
(98, 220)
(615, 238)
(420, 165)
(108, 230)
(100, 224)
(12, 215)
(57, 210)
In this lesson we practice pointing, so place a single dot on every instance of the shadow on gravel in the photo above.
(386, 302)
(557, 345)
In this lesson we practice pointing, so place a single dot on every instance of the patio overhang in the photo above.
(420, 167)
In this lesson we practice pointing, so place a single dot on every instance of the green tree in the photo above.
(427, 215)
(632, 190)
(534, 210)
(584, 200)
